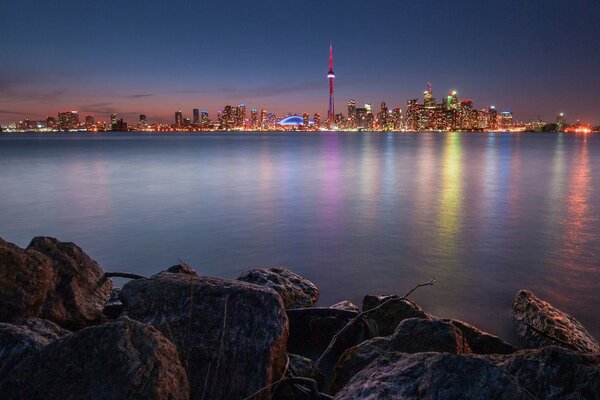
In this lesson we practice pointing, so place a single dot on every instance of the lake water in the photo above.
(485, 214)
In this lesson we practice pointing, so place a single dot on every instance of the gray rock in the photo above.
(356, 358)
(346, 305)
(231, 335)
(26, 276)
(118, 360)
(80, 291)
(296, 291)
(392, 313)
(482, 342)
(182, 268)
(21, 340)
(114, 307)
(300, 366)
(432, 376)
(532, 316)
(554, 373)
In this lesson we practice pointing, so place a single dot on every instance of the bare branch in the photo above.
(127, 275)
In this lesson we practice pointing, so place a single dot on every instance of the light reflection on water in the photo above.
(487, 214)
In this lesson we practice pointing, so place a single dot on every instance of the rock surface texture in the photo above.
(392, 313)
(26, 277)
(482, 342)
(231, 336)
(296, 291)
(432, 376)
(346, 305)
(539, 324)
(80, 292)
(21, 340)
(118, 360)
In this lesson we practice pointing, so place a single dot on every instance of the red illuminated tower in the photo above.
(331, 76)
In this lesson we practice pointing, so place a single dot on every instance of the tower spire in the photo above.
(331, 77)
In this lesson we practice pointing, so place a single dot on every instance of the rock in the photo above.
(532, 316)
(554, 373)
(26, 276)
(346, 305)
(295, 290)
(21, 340)
(391, 314)
(300, 366)
(482, 342)
(117, 360)
(356, 358)
(182, 268)
(312, 329)
(416, 335)
(432, 376)
(113, 308)
(81, 290)
(413, 335)
(231, 335)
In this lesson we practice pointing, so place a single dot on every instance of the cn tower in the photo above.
(331, 76)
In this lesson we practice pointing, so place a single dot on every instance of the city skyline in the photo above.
(137, 61)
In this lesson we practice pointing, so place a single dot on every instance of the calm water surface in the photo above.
(486, 214)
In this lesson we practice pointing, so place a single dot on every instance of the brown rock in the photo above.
(118, 360)
(346, 305)
(231, 335)
(356, 358)
(26, 276)
(392, 313)
(80, 292)
(482, 342)
(533, 316)
(295, 290)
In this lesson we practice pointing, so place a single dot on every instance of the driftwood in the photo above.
(363, 314)
(127, 275)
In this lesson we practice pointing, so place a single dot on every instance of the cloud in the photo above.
(10, 112)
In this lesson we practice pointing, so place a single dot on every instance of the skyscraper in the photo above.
(331, 77)
(351, 114)
(143, 119)
(178, 118)
(196, 114)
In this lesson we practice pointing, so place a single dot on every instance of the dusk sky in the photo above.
(534, 58)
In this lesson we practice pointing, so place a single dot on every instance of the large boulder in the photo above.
(118, 360)
(554, 373)
(482, 342)
(539, 324)
(26, 276)
(346, 305)
(21, 340)
(413, 335)
(432, 376)
(390, 314)
(295, 290)
(80, 291)
(231, 335)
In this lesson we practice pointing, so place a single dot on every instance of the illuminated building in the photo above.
(560, 122)
(187, 122)
(240, 117)
(68, 120)
(331, 77)
(196, 116)
(143, 119)
(506, 119)
(205, 122)
(428, 99)
(382, 116)
(263, 119)
(305, 120)
(89, 121)
(317, 119)
(178, 119)
(412, 114)
(397, 119)
(113, 122)
(351, 114)
(50, 122)
(254, 118)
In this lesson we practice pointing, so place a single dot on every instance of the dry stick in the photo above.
(361, 315)
(127, 275)
(277, 382)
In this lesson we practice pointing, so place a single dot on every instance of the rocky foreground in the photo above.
(67, 333)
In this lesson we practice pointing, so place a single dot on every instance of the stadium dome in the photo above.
(292, 120)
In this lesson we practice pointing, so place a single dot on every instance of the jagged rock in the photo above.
(81, 290)
(532, 316)
(21, 340)
(182, 268)
(346, 305)
(482, 342)
(117, 360)
(554, 373)
(392, 313)
(300, 366)
(114, 307)
(432, 376)
(413, 335)
(295, 290)
(26, 276)
(231, 335)
(356, 358)
(312, 329)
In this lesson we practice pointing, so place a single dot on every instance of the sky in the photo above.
(531, 57)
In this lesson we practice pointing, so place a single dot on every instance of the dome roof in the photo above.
(292, 120)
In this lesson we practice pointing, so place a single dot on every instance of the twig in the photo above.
(269, 386)
(127, 275)
(361, 315)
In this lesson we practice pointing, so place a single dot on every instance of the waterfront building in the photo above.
(204, 120)
(317, 121)
(352, 114)
(178, 118)
(68, 120)
(113, 122)
(560, 122)
(254, 118)
(196, 116)
(305, 120)
(89, 121)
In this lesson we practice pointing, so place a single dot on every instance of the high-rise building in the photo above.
(178, 118)
(50, 122)
(506, 119)
(196, 116)
(305, 120)
(204, 121)
(382, 116)
(89, 121)
(351, 114)
(240, 120)
(263, 119)
(113, 122)
(143, 119)
(560, 122)
(331, 77)
(254, 118)
(187, 122)
(68, 120)
(397, 119)
(317, 121)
